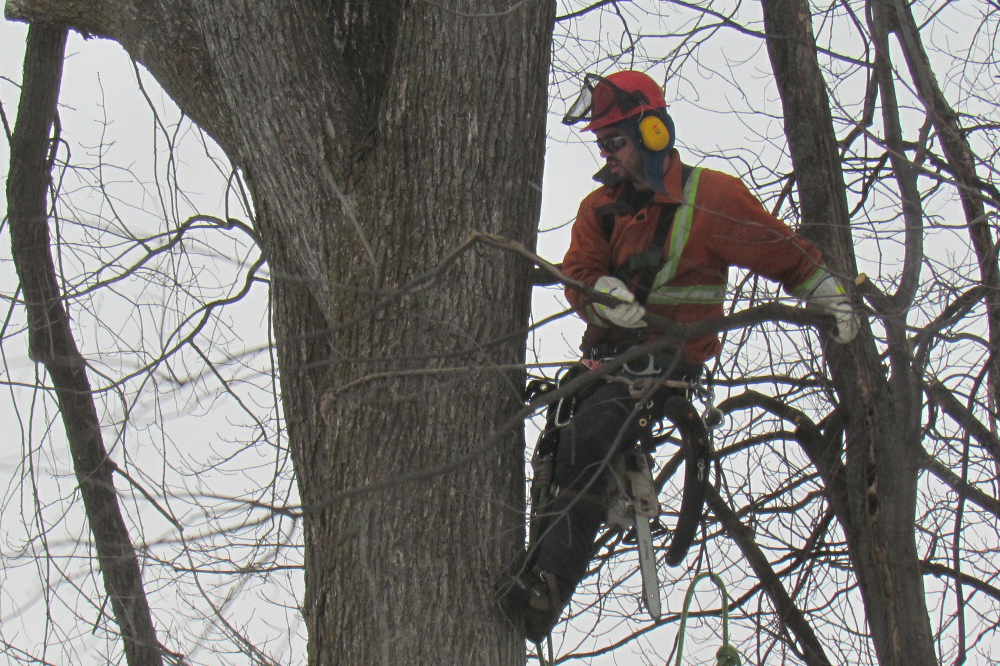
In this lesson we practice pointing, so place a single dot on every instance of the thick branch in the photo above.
(90, 17)
(961, 162)
(903, 169)
(937, 569)
(164, 36)
(52, 343)
(882, 418)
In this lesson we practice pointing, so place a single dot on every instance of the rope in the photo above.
(550, 661)
(727, 654)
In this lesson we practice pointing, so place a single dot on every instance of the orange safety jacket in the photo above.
(719, 224)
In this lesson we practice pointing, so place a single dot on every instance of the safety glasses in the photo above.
(612, 144)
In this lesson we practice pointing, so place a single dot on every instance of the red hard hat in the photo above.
(619, 96)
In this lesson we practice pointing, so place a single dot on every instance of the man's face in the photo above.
(621, 154)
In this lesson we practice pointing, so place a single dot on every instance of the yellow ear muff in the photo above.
(654, 132)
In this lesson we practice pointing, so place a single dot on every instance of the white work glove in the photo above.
(829, 298)
(628, 314)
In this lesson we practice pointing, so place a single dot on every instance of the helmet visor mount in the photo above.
(592, 107)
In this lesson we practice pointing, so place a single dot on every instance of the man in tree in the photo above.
(659, 236)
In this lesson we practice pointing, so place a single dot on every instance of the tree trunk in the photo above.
(376, 137)
(881, 415)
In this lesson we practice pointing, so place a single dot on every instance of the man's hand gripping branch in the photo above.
(627, 314)
(830, 298)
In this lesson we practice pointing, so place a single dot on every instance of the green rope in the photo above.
(542, 661)
(727, 654)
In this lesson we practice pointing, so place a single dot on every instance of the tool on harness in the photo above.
(543, 458)
(698, 460)
(712, 416)
(636, 506)
(678, 409)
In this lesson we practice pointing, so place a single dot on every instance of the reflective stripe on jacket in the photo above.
(719, 224)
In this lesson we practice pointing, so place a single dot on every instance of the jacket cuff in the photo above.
(809, 285)
(590, 315)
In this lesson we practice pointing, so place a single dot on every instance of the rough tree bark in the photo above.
(51, 343)
(376, 136)
(880, 415)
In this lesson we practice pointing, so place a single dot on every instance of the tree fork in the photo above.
(962, 163)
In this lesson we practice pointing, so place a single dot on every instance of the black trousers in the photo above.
(600, 428)
(585, 445)
(603, 424)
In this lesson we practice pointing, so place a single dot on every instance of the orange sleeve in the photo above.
(588, 256)
(748, 236)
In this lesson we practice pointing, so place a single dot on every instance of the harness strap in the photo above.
(630, 202)
(643, 265)
(646, 264)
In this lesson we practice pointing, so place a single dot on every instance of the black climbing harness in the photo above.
(677, 409)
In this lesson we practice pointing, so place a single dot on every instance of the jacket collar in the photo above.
(673, 181)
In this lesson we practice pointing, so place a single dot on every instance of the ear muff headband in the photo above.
(656, 131)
